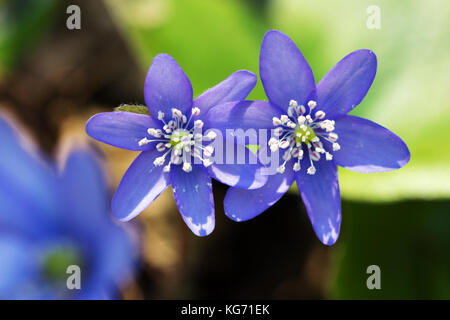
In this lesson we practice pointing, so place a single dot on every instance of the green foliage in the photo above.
(409, 241)
(133, 108)
(410, 52)
(58, 260)
(22, 23)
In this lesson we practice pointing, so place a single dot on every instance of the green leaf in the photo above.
(133, 108)
(253, 148)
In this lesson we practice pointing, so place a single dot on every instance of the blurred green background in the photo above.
(398, 220)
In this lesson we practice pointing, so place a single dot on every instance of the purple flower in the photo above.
(311, 132)
(51, 222)
(176, 147)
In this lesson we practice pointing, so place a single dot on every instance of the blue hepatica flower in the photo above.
(54, 226)
(173, 144)
(311, 132)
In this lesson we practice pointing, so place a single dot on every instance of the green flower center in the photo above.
(57, 260)
(178, 136)
(304, 134)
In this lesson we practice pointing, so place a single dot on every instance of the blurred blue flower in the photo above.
(311, 132)
(176, 147)
(50, 221)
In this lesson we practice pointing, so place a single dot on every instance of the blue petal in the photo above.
(141, 184)
(239, 124)
(246, 173)
(321, 196)
(109, 247)
(27, 183)
(113, 260)
(19, 214)
(167, 87)
(234, 88)
(368, 147)
(18, 268)
(242, 115)
(284, 72)
(122, 129)
(347, 83)
(242, 205)
(193, 195)
(85, 192)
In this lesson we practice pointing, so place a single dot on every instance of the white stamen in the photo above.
(328, 156)
(320, 115)
(272, 141)
(176, 113)
(301, 120)
(143, 141)
(187, 167)
(207, 163)
(208, 151)
(287, 156)
(157, 133)
(166, 168)
(291, 124)
(161, 146)
(284, 144)
(301, 109)
(312, 104)
(320, 150)
(281, 169)
(333, 136)
(160, 115)
(293, 103)
(327, 125)
(311, 170)
(198, 124)
(336, 146)
(167, 129)
(172, 124)
(291, 112)
(284, 118)
(315, 156)
(296, 166)
(278, 131)
(297, 153)
(176, 159)
(274, 147)
(159, 161)
(276, 121)
(211, 135)
(195, 111)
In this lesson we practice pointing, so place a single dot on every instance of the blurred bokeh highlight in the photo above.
(53, 79)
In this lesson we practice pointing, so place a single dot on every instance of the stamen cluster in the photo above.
(179, 141)
(299, 132)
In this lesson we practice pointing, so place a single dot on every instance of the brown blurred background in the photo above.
(54, 79)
